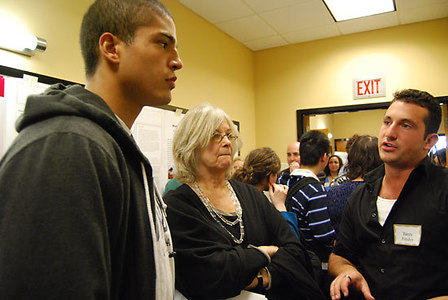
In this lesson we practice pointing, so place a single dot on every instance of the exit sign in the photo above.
(369, 88)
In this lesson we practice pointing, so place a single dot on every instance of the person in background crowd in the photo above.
(227, 236)
(293, 157)
(172, 183)
(80, 216)
(363, 157)
(439, 158)
(343, 171)
(238, 163)
(393, 236)
(332, 170)
(260, 169)
(308, 199)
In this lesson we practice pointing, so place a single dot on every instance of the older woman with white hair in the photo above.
(227, 236)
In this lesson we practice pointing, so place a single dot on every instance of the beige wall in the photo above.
(361, 122)
(320, 73)
(56, 21)
(217, 69)
(262, 90)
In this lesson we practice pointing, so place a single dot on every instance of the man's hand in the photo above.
(352, 278)
(294, 165)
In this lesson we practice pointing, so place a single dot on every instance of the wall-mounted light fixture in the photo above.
(22, 43)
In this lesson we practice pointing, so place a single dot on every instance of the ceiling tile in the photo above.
(411, 11)
(310, 34)
(216, 11)
(246, 29)
(266, 43)
(300, 16)
(368, 23)
(260, 6)
(262, 24)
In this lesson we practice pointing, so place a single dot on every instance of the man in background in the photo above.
(80, 217)
(307, 199)
(293, 157)
(394, 231)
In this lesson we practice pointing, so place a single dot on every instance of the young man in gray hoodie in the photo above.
(79, 214)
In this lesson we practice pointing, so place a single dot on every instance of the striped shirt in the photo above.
(310, 206)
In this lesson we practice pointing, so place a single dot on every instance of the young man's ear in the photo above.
(108, 46)
(431, 140)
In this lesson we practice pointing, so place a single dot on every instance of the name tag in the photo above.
(407, 235)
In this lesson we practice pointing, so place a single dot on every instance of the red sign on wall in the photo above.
(2, 86)
(369, 88)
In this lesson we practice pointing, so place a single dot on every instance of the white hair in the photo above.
(193, 134)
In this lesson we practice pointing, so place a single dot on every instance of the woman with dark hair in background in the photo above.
(332, 169)
(260, 169)
(362, 157)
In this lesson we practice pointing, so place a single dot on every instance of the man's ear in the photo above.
(431, 140)
(109, 44)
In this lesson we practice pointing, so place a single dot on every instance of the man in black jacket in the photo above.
(393, 236)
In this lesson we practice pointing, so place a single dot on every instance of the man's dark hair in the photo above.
(313, 144)
(119, 17)
(363, 156)
(426, 100)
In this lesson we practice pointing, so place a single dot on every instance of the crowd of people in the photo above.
(85, 220)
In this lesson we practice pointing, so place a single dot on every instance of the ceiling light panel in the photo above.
(351, 9)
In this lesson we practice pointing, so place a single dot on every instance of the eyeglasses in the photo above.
(217, 137)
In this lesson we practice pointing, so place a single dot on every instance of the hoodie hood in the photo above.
(59, 100)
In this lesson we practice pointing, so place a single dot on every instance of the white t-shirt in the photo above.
(384, 207)
(161, 238)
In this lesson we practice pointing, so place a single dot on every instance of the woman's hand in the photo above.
(277, 193)
(269, 250)
(254, 282)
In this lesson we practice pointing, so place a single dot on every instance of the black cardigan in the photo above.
(210, 265)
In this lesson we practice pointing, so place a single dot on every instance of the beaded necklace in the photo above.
(218, 216)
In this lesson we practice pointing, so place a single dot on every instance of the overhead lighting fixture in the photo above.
(22, 43)
(343, 10)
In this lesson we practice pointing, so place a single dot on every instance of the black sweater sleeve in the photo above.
(290, 268)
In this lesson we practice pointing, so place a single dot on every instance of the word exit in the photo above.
(369, 88)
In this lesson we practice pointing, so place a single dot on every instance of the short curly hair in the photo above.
(426, 100)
